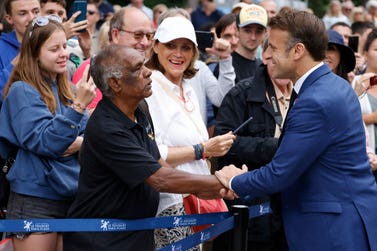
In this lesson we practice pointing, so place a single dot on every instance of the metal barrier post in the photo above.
(241, 221)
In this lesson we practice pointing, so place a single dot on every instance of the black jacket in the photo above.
(255, 144)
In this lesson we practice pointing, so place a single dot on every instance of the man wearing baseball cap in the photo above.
(252, 24)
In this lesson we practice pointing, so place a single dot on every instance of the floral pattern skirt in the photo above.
(166, 236)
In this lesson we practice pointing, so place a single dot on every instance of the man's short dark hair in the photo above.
(343, 24)
(360, 27)
(224, 22)
(60, 2)
(303, 27)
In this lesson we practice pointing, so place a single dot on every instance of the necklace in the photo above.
(187, 103)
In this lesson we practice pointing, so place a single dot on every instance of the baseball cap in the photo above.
(252, 14)
(175, 27)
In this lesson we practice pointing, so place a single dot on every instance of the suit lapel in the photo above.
(318, 73)
(309, 81)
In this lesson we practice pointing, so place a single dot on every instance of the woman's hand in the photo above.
(219, 145)
(85, 91)
(71, 28)
(74, 147)
(220, 48)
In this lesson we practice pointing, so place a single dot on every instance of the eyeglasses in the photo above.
(91, 12)
(139, 35)
(43, 21)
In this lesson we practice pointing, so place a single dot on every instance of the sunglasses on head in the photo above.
(43, 21)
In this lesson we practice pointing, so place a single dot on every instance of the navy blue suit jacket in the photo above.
(328, 192)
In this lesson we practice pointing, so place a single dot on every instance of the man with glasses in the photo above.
(129, 27)
(19, 13)
(252, 24)
(132, 27)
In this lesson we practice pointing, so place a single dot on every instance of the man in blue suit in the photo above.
(328, 193)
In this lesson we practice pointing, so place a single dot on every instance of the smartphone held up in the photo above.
(79, 5)
(353, 43)
(204, 39)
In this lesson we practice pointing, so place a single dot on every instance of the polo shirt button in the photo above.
(73, 126)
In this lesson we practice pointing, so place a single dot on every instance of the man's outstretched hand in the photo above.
(228, 172)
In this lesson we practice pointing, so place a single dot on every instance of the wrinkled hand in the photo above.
(219, 145)
(228, 172)
(220, 48)
(74, 147)
(85, 90)
(71, 28)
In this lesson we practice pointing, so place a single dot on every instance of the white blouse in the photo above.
(174, 127)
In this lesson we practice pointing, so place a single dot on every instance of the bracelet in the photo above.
(77, 106)
(203, 153)
(198, 150)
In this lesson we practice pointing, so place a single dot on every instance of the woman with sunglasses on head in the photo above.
(180, 132)
(44, 119)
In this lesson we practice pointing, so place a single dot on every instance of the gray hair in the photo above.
(104, 66)
(116, 21)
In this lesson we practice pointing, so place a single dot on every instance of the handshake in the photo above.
(224, 176)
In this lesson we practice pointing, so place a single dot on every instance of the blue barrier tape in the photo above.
(200, 237)
(259, 210)
(225, 223)
(109, 225)
(209, 233)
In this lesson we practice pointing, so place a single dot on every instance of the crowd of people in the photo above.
(122, 116)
